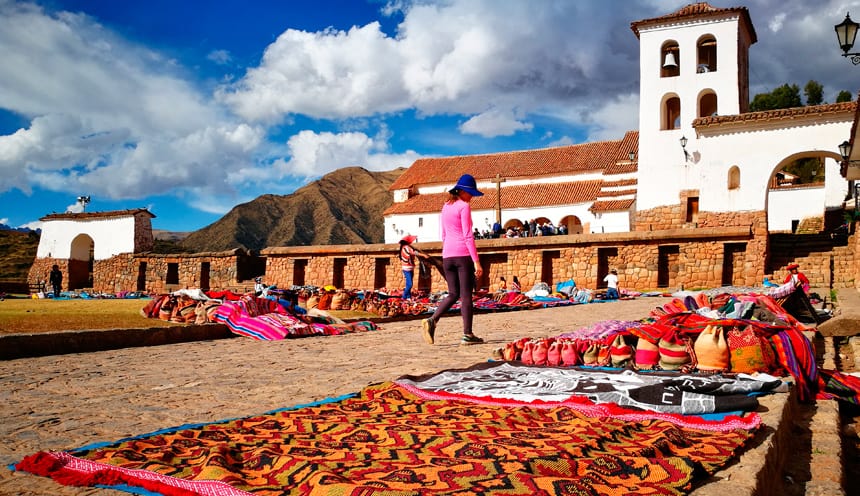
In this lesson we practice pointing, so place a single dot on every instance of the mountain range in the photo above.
(343, 207)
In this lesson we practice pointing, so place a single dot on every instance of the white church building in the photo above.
(698, 159)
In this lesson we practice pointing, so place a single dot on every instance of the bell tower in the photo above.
(692, 63)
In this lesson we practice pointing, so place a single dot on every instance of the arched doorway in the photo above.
(81, 262)
(799, 198)
(572, 223)
(515, 225)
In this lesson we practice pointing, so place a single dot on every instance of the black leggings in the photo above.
(460, 276)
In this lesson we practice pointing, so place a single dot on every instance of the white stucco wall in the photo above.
(663, 171)
(397, 226)
(426, 225)
(759, 153)
(796, 204)
(110, 236)
(611, 222)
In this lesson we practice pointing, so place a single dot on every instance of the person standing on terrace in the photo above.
(459, 258)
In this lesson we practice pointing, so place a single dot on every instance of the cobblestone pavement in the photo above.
(68, 401)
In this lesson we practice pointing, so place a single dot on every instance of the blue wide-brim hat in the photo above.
(467, 183)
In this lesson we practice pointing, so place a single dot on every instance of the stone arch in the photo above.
(572, 223)
(790, 159)
(515, 223)
(670, 112)
(670, 52)
(706, 54)
(707, 103)
(805, 211)
(81, 262)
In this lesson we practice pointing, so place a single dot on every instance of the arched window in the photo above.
(671, 118)
(734, 177)
(670, 59)
(708, 104)
(706, 57)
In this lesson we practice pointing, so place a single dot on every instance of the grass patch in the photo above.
(27, 315)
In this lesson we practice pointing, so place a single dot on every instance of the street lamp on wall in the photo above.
(846, 33)
(684, 148)
(845, 151)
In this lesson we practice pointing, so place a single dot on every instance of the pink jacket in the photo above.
(455, 229)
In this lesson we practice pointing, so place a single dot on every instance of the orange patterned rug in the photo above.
(389, 441)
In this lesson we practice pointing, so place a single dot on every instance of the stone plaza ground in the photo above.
(65, 401)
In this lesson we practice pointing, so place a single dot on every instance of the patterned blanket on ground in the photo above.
(396, 440)
(684, 394)
(269, 320)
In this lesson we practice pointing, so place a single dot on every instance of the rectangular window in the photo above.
(692, 209)
(420, 221)
(172, 273)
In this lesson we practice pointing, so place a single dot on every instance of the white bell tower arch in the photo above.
(692, 63)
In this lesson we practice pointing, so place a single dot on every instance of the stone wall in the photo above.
(645, 261)
(697, 261)
(41, 269)
(143, 239)
(836, 268)
(165, 273)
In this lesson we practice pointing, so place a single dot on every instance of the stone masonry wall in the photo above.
(120, 273)
(696, 259)
(699, 261)
(41, 269)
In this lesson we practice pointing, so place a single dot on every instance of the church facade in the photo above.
(698, 159)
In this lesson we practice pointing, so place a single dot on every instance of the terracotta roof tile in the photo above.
(779, 114)
(523, 196)
(622, 192)
(97, 215)
(611, 205)
(622, 164)
(585, 157)
(698, 10)
(619, 183)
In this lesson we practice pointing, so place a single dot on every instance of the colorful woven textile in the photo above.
(388, 441)
(268, 320)
(669, 396)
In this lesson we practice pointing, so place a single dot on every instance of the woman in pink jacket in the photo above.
(459, 258)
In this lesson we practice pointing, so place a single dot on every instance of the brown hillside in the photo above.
(17, 252)
(343, 207)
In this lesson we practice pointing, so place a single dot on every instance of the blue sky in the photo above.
(189, 108)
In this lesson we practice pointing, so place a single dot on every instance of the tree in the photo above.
(808, 170)
(814, 92)
(844, 96)
(785, 96)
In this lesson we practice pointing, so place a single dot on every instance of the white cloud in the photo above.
(494, 123)
(75, 208)
(615, 117)
(563, 141)
(447, 58)
(36, 224)
(220, 57)
(4, 220)
(107, 116)
(316, 154)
